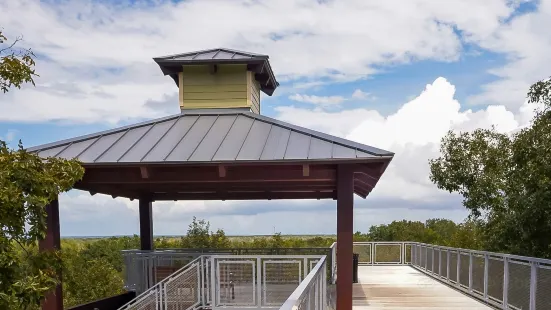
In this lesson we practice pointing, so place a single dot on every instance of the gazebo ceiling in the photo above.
(218, 155)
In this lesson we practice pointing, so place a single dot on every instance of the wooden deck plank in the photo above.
(402, 287)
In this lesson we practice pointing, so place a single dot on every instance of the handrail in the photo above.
(481, 252)
(293, 302)
(159, 285)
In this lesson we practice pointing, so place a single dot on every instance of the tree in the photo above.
(16, 64)
(505, 179)
(27, 184)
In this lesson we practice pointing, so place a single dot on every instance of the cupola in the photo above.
(220, 78)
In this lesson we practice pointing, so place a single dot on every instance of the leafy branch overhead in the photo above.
(16, 64)
(27, 184)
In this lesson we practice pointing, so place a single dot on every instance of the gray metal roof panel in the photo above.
(320, 149)
(343, 152)
(147, 142)
(123, 144)
(101, 146)
(200, 136)
(255, 141)
(52, 152)
(323, 136)
(75, 149)
(297, 146)
(234, 139)
(192, 139)
(171, 138)
(214, 138)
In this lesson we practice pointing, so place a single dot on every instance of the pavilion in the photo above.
(221, 148)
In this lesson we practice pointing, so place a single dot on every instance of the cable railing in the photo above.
(239, 282)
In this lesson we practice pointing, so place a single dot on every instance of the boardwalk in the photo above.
(402, 287)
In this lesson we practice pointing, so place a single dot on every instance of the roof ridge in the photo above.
(209, 51)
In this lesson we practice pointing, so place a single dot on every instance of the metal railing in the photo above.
(375, 253)
(238, 282)
(312, 292)
(144, 269)
(502, 280)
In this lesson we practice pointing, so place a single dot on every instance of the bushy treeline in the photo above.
(93, 267)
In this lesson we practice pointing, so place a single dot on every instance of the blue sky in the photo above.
(393, 74)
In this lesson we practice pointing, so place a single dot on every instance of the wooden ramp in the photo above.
(402, 287)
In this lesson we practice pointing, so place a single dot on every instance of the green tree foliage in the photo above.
(199, 236)
(27, 184)
(16, 64)
(87, 278)
(505, 180)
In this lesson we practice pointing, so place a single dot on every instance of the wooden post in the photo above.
(146, 223)
(52, 241)
(345, 220)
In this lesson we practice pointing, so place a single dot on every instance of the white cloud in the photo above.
(526, 43)
(324, 101)
(97, 67)
(360, 94)
(413, 132)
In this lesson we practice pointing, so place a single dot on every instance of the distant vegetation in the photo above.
(93, 268)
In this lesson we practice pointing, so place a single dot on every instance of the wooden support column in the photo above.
(345, 220)
(146, 223)
(52, 242)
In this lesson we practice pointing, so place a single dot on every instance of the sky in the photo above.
(392, 74)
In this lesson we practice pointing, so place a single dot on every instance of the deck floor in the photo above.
(402, 287)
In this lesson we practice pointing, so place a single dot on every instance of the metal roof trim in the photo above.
(243, 53)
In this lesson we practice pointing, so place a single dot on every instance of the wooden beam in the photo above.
(146, 223)
(201, 187)
(345, 223)
(206, 174)
(244, 196)
(221, 171)
(371, 171)
(144, 172)
(52, 242)
(305, 170)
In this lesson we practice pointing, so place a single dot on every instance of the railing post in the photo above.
(324, 288)
(373, 253)
(486, 262)
(505, 283)
(432, 261)
(259, 281)
(458, 275)
(439, 262)
(213, 295)
(426, 256)
(533, 284)
(470, 271)
(448, 264)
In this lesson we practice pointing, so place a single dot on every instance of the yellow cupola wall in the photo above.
(220, 79)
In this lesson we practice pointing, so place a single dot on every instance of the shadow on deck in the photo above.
(403, 287)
